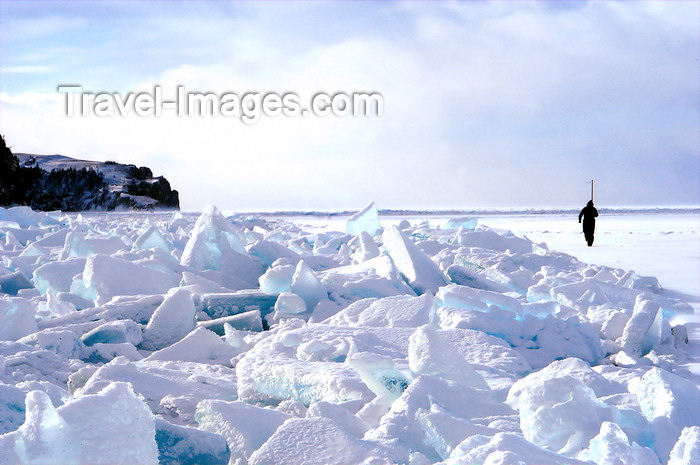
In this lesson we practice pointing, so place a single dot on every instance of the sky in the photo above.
(485, 104)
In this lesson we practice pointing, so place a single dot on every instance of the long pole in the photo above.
(591, 190)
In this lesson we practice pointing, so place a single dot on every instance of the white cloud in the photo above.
(485, 104)
(26, 69)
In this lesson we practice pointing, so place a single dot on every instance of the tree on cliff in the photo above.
(71, 189)
(9, 174)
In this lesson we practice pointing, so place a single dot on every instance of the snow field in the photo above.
(154, 338)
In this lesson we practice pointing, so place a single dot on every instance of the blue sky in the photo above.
(486, 104)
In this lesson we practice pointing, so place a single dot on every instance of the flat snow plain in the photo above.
(139, 338)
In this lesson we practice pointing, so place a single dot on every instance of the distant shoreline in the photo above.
(484, 212)
(453, 213)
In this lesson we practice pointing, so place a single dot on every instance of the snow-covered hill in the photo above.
(127, 186)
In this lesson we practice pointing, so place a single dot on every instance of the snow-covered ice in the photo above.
(366, 220)
(113, 426)
(213, 339)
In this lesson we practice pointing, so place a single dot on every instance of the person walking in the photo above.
(589, 214)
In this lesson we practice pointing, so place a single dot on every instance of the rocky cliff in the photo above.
(58, 182)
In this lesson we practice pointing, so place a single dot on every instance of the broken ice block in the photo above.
(561, 414)
(643, 317)
(465, 277)
(17, 318)
(12, 283)
(105, 277)
(269, 252)
(315, 441)
(201, 345)
(290, 304)
(152, 238)
(64, 343)
(387, 378)
(181, 445)
(233, 303)
(307, 286)
(611, 446)
(419, 271)
(466, 222)
(367, 249)
(393, 311)
(505, 446)
(115, 332)
(113, 426)
(79, 245)
(57, 275)
(491, 240)
(366, 220)
(171, 321)
(246, 321)
(429, 354)
(277, 279)
(11, 407)
(670, 403)
(244, 427)
(470, 298)
(216, 244)
(687, 449)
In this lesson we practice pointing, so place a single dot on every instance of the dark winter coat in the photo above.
(589, 214)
